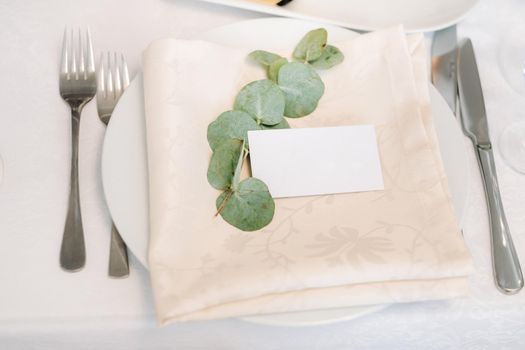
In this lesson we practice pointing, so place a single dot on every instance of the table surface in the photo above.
(43, 307)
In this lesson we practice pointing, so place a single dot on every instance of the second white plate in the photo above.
(415, 15)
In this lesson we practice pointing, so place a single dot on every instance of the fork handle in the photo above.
(73, 250)
(118, 256)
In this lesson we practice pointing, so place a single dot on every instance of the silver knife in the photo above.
(507, 270)
(444, 57)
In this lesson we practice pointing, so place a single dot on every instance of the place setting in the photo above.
(312, 165)
(308, 182)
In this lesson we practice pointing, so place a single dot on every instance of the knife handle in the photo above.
(505, 262)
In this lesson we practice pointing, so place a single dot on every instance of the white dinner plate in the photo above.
(124, 160)
(415, 15)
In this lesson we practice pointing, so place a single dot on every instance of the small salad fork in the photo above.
(77, 86)
(113, 79)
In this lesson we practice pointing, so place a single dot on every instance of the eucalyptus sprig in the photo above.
(293, 90)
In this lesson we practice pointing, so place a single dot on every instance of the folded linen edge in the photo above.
(402, 291)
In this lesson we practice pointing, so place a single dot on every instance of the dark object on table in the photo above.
(283, 2)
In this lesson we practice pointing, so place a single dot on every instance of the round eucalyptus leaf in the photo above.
(273, 69)
(282, 125)
(331, 56)
(302, 89)
(263, 57)
(263, 100)
(311, 45)
(230, 125)
(249, 207)
(223, 163)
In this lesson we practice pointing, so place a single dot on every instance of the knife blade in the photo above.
(444, 56)
(505, 263)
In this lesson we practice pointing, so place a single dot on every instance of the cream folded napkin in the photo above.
(400, 244)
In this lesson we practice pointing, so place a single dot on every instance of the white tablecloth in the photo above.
(41, 307)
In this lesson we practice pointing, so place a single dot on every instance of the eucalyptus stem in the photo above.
(293, 89)
(228, 195)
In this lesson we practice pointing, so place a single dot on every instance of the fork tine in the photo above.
(100, 78)
(81, 66)
(109, 80)
(117, 81)
(64, 64)
(90, 59)
(73, 56)
(125, 73)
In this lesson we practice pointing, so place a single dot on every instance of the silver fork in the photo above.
(77, 85)
(113, 79)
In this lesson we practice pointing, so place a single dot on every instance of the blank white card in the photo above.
(315, 161)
